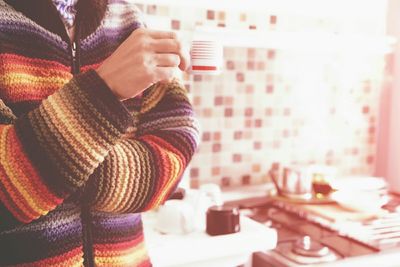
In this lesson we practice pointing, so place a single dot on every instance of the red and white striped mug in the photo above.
(206, 56)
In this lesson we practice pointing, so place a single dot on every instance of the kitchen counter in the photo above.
(200, 249)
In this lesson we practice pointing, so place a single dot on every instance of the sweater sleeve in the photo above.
(141, 171)
(51, 151)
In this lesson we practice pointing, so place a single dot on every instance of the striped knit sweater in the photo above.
(77, 166)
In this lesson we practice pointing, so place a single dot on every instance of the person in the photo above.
(94, 130)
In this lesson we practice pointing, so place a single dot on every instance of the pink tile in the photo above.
(249, 89)
(175, 24)
(271, 54)
(371, 130)
(197, 100)
(248, 123)
(221, 15)
(256, 168)
(230, 65)
(207, 113)
(286, 133)
(258, 123)
(273, 20)
(210, 14)
(206, 136)
(260, 65)
(228, 112)
(218, 101)
(216, 171)
(248, 112)
(151, 9)
(197, 78)
(237, 135)
(365, 109)
(217, 136)
(216, 147)
(251, 53)
(251, 65)
(194, 183)
(370, 160)
(248, 135)
(228, 100)
(270, 89)
(236, 158)
(257, 145)
(287, 112)
(240, 77)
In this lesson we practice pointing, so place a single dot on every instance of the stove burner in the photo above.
(309, 248)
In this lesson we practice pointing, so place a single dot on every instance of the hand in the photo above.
(144, 58)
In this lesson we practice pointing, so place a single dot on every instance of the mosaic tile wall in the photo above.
(281, 105)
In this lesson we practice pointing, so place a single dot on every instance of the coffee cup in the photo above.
(206, 55)
(175, 217)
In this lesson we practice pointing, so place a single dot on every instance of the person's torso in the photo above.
(34, 63)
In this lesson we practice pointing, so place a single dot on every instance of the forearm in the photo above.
(47, 154)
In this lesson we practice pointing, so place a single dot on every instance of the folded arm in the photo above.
(50, 152)
(140, 172)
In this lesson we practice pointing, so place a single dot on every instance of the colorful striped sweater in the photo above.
(77, 166)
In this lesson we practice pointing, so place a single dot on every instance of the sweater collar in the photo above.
(89, 15)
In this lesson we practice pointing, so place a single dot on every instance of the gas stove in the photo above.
(306, 240)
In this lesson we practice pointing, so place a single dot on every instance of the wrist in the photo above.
(103, 75)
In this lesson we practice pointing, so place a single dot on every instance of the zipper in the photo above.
(75, 64)
(86, 218)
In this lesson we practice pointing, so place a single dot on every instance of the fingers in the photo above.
(173, 46)
(167, 60)
(162, 34)
(165, 73)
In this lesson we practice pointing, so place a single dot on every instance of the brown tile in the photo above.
(194, 172)
(246, 180)
(226, 181)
